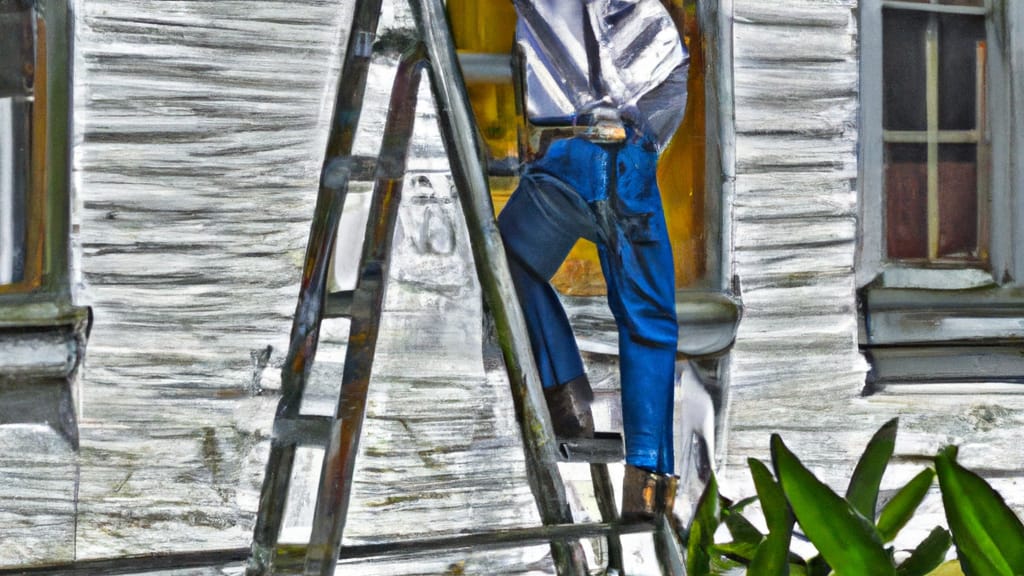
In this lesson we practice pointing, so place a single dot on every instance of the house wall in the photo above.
(201, 131)
(795, 368)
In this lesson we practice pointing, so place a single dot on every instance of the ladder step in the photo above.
(291, 556)
(305, 430)
(484, 68)
(339, 304)
(603, 448)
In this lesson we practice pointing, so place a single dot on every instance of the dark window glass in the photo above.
(906, 200)
(16, 49)
(959, 37)
(958, 201)
(903, 74)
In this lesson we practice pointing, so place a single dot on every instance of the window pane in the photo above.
(16, 75)
(958, 47)
(15, 48)
(903, 74)
(958, 201)
(13, 179)
(906, 200)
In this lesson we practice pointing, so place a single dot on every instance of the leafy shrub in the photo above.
(851, 535)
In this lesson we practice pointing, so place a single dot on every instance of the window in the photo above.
(35, 93)
(690, 199)
(940, 257)
(42, 334)
(690, 171)
(933, 118)
(694, 175)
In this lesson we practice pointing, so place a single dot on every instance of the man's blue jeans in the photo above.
(608, 194)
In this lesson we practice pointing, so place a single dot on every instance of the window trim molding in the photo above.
(1011, 24)
(1004, 28)
(43, 334)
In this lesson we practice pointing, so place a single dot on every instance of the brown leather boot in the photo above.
(647, 494)
(569, 405)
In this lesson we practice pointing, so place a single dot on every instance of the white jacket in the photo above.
(633, 61)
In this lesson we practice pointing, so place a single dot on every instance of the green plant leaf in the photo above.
(773, 500)
(900, 509)
(772, 557)
(862, 493)
(739, 506)
(723, 565)
(798, 570)
(989, 537)
(817, 566)
(743, 532)
(928, 555)
(744, 553)
(951, 568)
(739, 551)
(847, 540)
(702, 531)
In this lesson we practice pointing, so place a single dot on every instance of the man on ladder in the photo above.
(605, 87)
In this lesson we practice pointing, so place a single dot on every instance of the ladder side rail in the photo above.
(351, 87)
(298, 363)
(463, 144)
(304, 336)
(604, 494)
(340, 454)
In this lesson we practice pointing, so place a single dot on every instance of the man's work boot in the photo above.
(647, 494)
(569, 405)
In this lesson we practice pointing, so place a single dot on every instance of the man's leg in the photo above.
(636, 257)
(641, 294)
(551, 336)
(537, 229)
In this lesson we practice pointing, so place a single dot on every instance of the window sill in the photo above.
(30, 311)
(947, 369)
(708, 322)
(41, 347)
(894, 316)
(935, 278)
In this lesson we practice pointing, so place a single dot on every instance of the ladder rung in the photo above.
(503, 167)
(604, 447)
(483, 68)
(291, 556)
(339, 304)
(306, 430)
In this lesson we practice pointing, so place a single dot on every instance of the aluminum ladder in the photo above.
(339, 435)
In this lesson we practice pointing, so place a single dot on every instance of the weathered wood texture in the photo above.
(795, 364)
(202, 126)
(795, 368)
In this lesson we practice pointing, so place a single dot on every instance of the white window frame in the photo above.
(1005, 27)
(946, 324)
